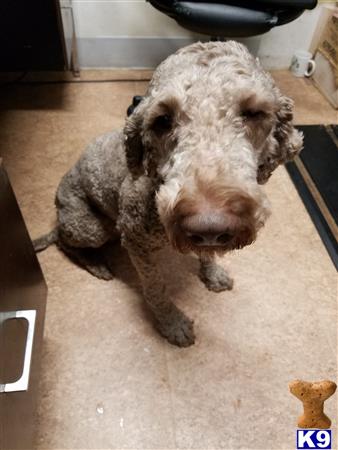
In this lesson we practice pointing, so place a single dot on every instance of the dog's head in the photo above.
(212, 127)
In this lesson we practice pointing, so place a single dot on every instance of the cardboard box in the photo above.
(328, 45)
(325, 78)
(325, 48)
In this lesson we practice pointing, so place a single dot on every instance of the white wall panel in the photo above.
(123, 18)
(106, 29)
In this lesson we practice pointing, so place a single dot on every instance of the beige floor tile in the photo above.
(311, 106)
(108, 380)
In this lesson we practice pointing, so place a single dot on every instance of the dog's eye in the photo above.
(162, 124)
(250, 114)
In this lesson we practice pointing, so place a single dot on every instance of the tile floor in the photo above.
(108, 381)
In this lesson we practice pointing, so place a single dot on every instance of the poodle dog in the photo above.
(186, 170)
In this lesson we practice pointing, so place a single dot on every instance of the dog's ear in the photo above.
(133, 143)
(284, 143)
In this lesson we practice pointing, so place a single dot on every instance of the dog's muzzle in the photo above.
(215, 229)
(207, 230)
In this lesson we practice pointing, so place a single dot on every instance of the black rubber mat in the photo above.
(315, 175)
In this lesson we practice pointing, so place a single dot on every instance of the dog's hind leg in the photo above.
(81, 225)
(82, 232)
(91, 259)
(213, 276)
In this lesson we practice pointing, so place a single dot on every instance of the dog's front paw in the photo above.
(216, 279)
(177, 328)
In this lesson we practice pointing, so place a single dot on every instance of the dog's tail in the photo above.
(46, 240)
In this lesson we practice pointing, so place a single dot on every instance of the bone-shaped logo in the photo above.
(313, 396)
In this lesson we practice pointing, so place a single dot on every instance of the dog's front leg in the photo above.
(171, 322)
(214, 277)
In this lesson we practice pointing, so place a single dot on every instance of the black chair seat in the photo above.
(232, 18)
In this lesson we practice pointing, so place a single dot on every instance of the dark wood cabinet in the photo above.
(36, 35)
(23, 295)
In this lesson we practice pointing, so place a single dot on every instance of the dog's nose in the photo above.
(207, 230)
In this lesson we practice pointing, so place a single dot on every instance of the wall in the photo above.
(131, 33)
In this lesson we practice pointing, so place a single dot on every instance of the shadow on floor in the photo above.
(32, 96)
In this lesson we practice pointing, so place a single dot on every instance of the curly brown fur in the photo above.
(186, 171)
